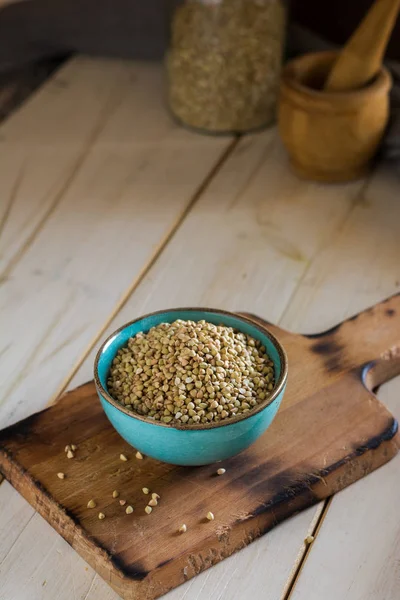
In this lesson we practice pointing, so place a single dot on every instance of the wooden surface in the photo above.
(313, 254)
(330, 431)
(17, 85)
(359, 559)
(110, 175)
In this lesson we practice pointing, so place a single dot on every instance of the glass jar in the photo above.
(224, 63)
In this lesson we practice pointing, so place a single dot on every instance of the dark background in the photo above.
(34, 29)
(337, 19)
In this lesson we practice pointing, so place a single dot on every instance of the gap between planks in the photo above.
(110, 106)
(315, 526)
(160, 248)
(323, 507)
(146, 268)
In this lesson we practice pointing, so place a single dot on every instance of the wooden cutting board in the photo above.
(330, 431)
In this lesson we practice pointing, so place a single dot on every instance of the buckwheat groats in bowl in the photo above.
(191, 372)
(191, 386)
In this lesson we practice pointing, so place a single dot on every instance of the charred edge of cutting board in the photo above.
(253, 477)
(335, 328)
(269, 484)
(303, 494)
(332, 353)
(396, 295)
(387, 435)
(164, 563)
(133, 571)
(303, 491)
(24, 427)
(304, 487)
(390, 312)
(327, 332)
(373, 443)
(296, 491)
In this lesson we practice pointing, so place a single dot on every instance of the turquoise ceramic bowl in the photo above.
(197, 444)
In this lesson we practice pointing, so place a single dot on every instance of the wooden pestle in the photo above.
(362, 57)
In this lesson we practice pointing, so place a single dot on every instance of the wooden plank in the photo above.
(143, 556)
(18, 85)
(357, 547)
(45, 561)
(362, 257)
(268, 228)
(43, 145)
(247, 243)
(133, 184)
(106, 117)
(14, 517)
(357, 551)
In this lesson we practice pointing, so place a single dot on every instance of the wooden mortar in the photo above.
(330, 136)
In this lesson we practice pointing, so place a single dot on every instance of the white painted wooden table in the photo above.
(109, 210)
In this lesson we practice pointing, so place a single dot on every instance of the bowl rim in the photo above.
(279, 385)
(291, 78)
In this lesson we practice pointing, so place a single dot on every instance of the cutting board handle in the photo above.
(368, 342)
(382, 370)
(370, 339)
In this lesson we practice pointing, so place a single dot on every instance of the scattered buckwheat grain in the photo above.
(309, 539)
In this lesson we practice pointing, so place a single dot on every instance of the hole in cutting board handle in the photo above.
(384, 369)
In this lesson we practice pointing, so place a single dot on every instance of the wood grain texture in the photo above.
(52, 555)
(311, 237)
(302, 254)
(17, 86)
(338, 433)
(43, 144)
(357, 551)
(112, 210)
(14, 517)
